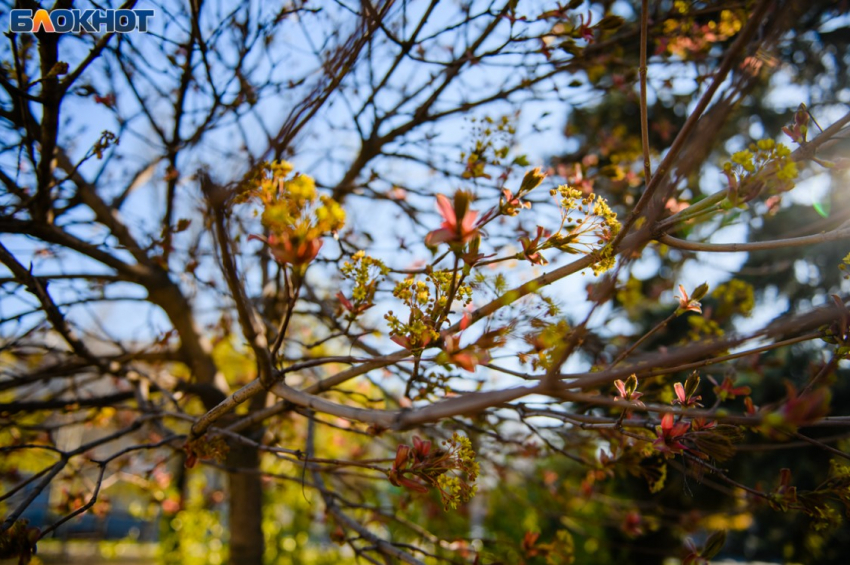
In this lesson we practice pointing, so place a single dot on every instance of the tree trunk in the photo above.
(246, 507)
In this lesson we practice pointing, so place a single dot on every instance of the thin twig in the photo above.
(644, 113)
(756, 245)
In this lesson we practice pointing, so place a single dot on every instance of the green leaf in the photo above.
(631, 384)
(822, 209)
(700, 292)
(563, 549)
(531, 180)
(715, 543)
(691, 384)
(610, 22)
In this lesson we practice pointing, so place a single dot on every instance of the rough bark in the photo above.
(246, 504)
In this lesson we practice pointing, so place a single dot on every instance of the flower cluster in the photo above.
(845, 263)
(417, 332)
(734, 297)
(690, 36)
(700, 328)
(493, 141)
(366, 272)
(452, 471)
(204, 448)
(764, 165)
(631, 297)
(587, 223)
(294, 215)
(427, 301)
(605, 261)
